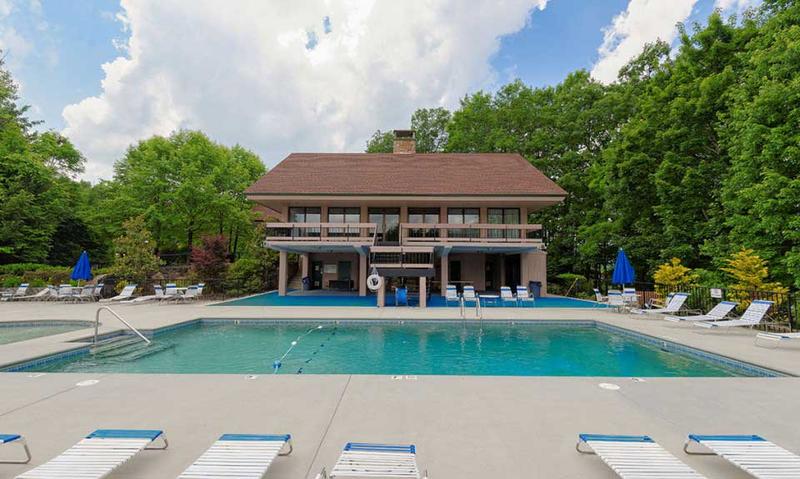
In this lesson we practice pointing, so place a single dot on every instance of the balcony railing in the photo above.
(331, 232)
(401, 256)
(424, 233)
(410, 234)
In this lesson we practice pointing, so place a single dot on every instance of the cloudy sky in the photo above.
(319, 75)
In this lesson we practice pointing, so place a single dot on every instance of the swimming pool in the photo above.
(348, 300)
(535, 348)
(12, 332)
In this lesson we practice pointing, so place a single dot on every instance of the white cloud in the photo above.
(246, 75)
(644, 21)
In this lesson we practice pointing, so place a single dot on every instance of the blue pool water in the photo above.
(443, 348)
(272, 299)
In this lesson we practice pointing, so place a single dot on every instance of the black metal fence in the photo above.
(783, 315)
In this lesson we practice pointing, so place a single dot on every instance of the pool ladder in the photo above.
(478, 310)
(97, 324)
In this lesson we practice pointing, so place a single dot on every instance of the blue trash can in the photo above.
(536, 288)
(306, 283)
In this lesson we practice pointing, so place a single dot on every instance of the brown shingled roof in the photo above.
(405, 174)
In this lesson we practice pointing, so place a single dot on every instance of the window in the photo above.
(305, 214)
(344, 215)
(463, 216)
(503, 216)
(423, 215)
(388, 223)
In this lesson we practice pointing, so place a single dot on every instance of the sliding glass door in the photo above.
(388, 224)
(503, 216)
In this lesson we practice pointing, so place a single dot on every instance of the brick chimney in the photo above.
(404, 142)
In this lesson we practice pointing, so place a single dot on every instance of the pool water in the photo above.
(12, 333)
(348, 300)
(452, 348)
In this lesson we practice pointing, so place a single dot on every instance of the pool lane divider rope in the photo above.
(319, 348)
(279, 362)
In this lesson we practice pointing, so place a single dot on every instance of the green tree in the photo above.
(762, 133)
(381, 142)
(134, 253)
(430, 129)
(185, 185)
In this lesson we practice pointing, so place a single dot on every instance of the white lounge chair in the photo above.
(243, 456)
(469, 295)
(375, 460)
(16, 294)
(673, 306)
(98, 290)
(86, 294)
(42, 294)
(126, 293)
(777, 337)
(15, 439)
(98, 454)
(751, 317)
(66, 293)
(598, 296)
(616, 300)
(171, 292)
(718, 312)
(158, 296)
(451, 294)
(523, 296)
(753, 454)
(506, 296)
(629, 296)
(193, 292)
(636, 457)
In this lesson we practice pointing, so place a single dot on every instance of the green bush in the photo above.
(11, 281)
(245, 276)
(18, 269)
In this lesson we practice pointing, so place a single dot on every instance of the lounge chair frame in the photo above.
(15, 439)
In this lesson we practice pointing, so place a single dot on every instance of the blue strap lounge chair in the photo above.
(524, 297)
(18, 440)
(753, 454)
(469, 295)
(20, 292)
(376, 460)
(717, 313)
(451, 294)
(752, 316)
(243, 456)
(98, 454)
(506, 296)
(635, 457)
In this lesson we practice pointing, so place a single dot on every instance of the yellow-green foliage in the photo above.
(750, 273)
(674, 273)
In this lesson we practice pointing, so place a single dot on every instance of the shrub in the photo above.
(674, 273)
(210, 260)
(134, 253)
(11, 281)
(246, 276)
(749, 273)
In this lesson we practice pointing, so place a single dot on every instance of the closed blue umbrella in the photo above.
(82, 269)
(623, 271)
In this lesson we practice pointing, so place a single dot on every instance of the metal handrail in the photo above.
(97, 324)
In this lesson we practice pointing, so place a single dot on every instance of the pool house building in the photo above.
(426, 220)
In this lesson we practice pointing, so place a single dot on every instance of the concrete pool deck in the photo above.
(464, 426)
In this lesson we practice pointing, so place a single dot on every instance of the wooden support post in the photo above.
(283, 267)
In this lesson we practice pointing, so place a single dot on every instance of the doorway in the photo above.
(316, 275)
(512, 267)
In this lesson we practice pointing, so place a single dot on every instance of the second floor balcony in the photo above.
(405, 234)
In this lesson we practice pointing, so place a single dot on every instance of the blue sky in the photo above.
(56, 50)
